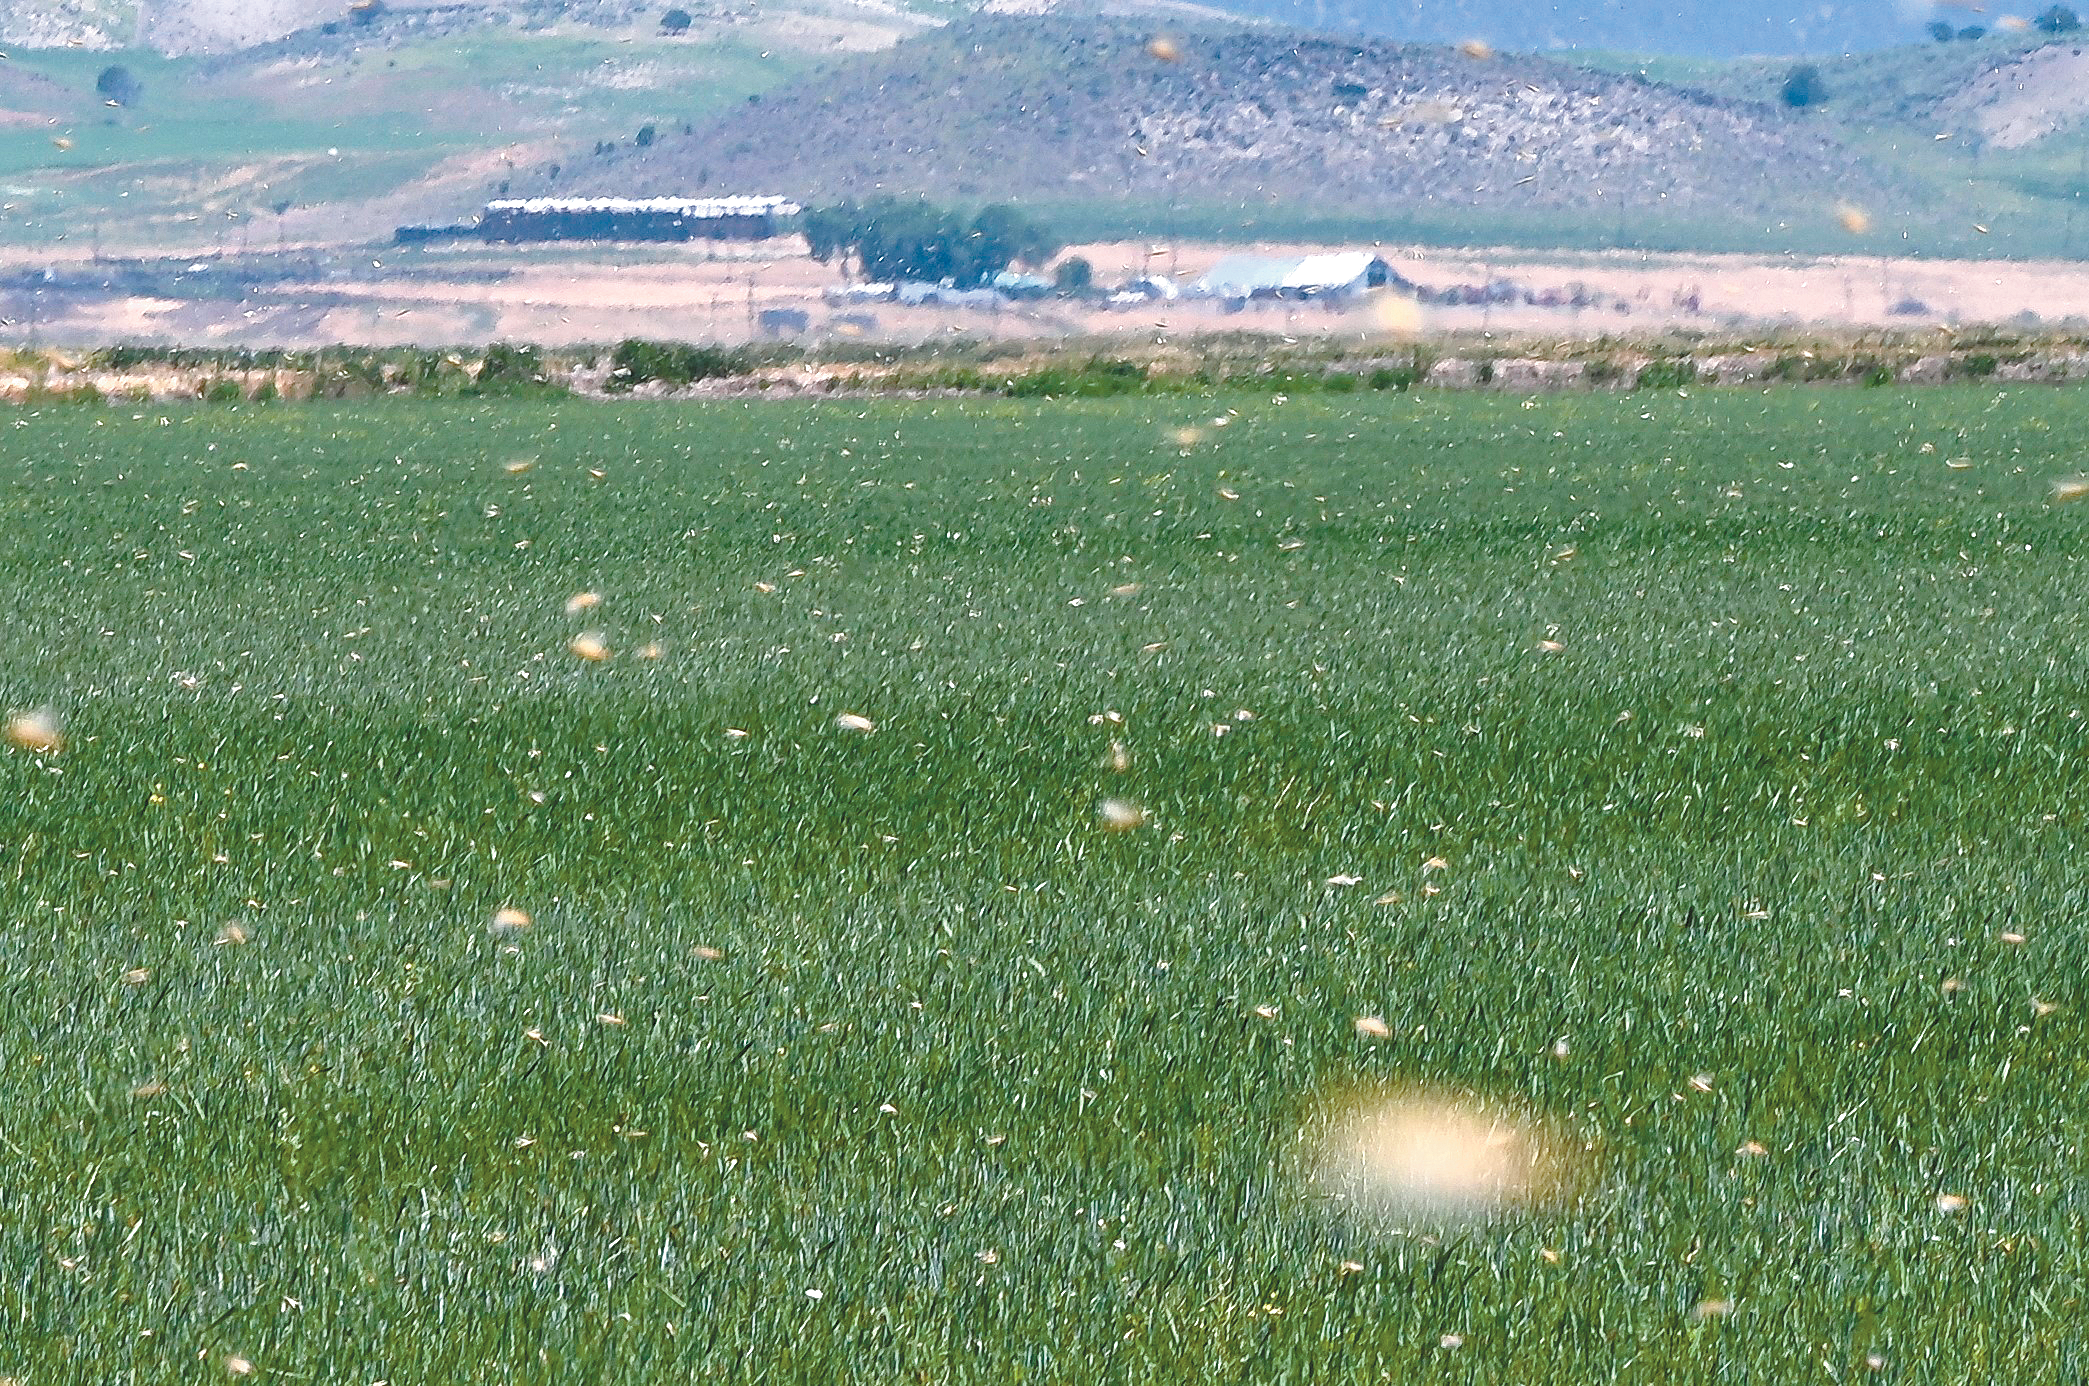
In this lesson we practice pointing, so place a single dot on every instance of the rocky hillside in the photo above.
(1044, 108)
(1638, 26)
(1645, 26)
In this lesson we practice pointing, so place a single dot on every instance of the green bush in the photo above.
(1098, 376)
(509, 369)
(638, 362)
(1666, 375)
(1804, 86)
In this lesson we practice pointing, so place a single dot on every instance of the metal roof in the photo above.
(1237, 276)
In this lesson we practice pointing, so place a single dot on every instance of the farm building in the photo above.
(1339, 274)
(636, 218)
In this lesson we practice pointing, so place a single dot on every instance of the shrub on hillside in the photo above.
(1804, 86)
(116, 83)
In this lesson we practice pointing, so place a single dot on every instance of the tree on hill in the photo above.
(1942, 32)
(2058, 19)
(119, 85)
(1073, 276)
(1971, 32)
(894, 238)
(675, 22)
(1804, 86)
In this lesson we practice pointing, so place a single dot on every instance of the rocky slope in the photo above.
(1639, 26)
(1046, 108)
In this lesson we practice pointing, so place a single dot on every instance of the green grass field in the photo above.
(973, 1090)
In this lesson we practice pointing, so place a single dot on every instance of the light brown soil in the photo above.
(558, 296)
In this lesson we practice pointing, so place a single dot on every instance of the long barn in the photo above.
(636, 218)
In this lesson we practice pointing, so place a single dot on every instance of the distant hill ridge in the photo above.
(1638, 26)
(1642, 26)
(1054, 107)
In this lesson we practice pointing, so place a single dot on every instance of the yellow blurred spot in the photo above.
(582, 601)
(1479, 50)
(1120, 815)
(35, 731)
(1371, 1027)
(590, 646)
(850, 721)
(2070, 488)
(1163, 49)
(509, 920)
(1852, 219)
(1393, 313)
(1416, 1153)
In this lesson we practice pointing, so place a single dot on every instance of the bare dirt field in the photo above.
(569, 295)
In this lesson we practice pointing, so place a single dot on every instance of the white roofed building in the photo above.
(1333, 274)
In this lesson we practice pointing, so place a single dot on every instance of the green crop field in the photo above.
(833, 1055)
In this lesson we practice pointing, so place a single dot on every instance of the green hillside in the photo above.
(1949, 120)
(326, 136)
(1651, 26)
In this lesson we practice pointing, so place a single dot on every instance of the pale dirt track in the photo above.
(567, 296)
